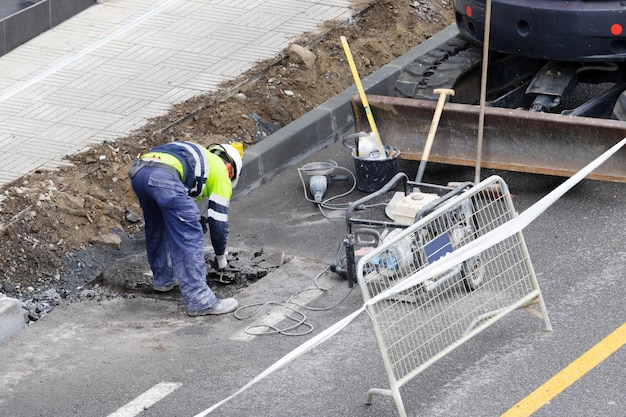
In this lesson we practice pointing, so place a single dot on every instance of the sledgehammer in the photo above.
(443, 94)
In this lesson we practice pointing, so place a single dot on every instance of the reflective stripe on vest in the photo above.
(201, 167)
(194, 161)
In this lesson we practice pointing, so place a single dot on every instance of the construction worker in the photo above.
(171, 182)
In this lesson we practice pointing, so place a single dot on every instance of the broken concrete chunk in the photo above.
(107, 239)
(300, 54)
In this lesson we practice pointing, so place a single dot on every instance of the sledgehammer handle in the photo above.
(443, 94)
(359, 87)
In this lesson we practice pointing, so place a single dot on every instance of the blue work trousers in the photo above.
(174, 238)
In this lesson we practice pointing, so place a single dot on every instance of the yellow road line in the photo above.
(570, 374)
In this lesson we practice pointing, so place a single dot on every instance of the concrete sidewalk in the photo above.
(106, 71)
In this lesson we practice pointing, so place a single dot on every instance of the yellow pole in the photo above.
(359, 87)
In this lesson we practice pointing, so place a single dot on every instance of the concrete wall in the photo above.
(33, 20)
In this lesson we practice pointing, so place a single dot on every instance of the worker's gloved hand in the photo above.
(204, 222)
(220, 261)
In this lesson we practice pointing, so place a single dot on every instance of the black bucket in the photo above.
(373, 174)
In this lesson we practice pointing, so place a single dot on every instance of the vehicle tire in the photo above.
(473, 273)
(619, 110)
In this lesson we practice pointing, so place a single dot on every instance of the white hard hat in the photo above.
(232, 155)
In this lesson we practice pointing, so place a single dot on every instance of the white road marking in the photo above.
(147, 399)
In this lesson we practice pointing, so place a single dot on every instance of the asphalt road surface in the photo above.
(144, 356)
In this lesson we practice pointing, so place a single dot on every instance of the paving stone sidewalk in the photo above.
(106, 71)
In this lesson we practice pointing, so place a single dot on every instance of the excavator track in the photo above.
(456, 64)
(441, 67)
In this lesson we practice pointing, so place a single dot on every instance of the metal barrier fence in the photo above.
(438, 313)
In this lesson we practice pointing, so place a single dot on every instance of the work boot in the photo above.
(221, 306)
(165, 288)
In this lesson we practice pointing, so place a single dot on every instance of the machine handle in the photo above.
(400, 176)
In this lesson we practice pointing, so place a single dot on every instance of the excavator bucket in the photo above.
(513, 140)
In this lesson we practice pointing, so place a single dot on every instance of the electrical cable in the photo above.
(300, 319)
(608, 66)
(326, 204)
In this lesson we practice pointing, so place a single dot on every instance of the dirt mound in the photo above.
(59, 228)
